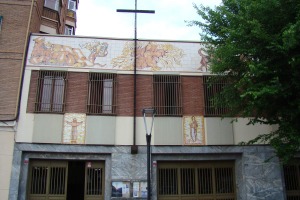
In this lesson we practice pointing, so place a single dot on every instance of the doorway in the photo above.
(65, 180)
(76, 176)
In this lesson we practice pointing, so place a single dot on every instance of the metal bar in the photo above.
(136, 11)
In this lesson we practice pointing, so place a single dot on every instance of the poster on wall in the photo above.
(193, 130)
(140, 189)
(74, 128)
(120, 189)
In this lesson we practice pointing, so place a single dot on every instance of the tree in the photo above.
(256, 44)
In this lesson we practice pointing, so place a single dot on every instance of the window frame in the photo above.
(292, 180)
(69, 30)
(210, 90)
(103, 102)
(167, 95)
(198, 186)
(72, 5)
(51, 91)
(53, 4)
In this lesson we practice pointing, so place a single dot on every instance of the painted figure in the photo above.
(74, 125)
(204, 61)
(193, 128)
(56, 54)
(151, 56)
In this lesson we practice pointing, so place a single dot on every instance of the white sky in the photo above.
(99, 18)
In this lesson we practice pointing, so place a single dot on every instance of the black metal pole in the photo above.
(148, 139)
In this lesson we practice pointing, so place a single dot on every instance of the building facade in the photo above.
(18, 19)
(81, 131)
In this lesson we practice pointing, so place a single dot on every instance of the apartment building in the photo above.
(81, 130)
(18, 19)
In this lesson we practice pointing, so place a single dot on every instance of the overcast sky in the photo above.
(99, 18)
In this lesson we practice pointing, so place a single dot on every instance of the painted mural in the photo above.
(74, 128)
(114, 54)
(48, 53)
(151, 56)
(193, 130)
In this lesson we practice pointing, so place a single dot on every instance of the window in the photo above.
(1, 19)
(212, 87)
(69, 30)
(292, 181)
(51, 91)
(167, 94)
(102, 93)
(52, 4)
(72, 5)
(196, 180)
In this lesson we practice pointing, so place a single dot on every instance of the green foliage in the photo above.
(256, 44)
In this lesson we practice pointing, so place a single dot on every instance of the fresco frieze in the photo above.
(48, 53)
(150, 56)
(116, 54)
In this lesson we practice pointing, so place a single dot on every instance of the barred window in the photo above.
(196, 180)
(102, 93)
(292, 181)
(51, 91)
(212, 87)
(167, 95)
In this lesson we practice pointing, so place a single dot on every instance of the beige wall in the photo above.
(168, 131)
(112, 130)
(6, 156)
(100, 130)
(47, 128)
(244, 132)
(219, 131)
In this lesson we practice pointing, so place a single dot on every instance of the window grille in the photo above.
(167, 95)
(94, 181)
(196, 180)
(48, 180)
(213, 86)
(51, 91)
(292, 181)
(102, 93)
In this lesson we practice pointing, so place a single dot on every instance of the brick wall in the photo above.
(77, 91)
(193, 96)
(12, 43)
(125, 95)
(144, 93)
(32, 91)
(36, 18)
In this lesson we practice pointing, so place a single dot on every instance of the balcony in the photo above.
(50, 18)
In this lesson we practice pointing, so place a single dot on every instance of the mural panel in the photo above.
(193, 130)
(75, 52)
(74, 128)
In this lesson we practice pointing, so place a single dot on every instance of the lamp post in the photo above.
(148, 112)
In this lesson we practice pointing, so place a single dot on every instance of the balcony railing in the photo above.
(50, 14)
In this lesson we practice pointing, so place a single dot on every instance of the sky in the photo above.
(98, 18)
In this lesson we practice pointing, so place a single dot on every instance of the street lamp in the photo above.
(150, 112)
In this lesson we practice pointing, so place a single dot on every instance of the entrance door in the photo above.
(48, 180)
(66, 180)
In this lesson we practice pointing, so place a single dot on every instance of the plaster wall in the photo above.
(6, 157)
(244, 133)
(26, 120)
